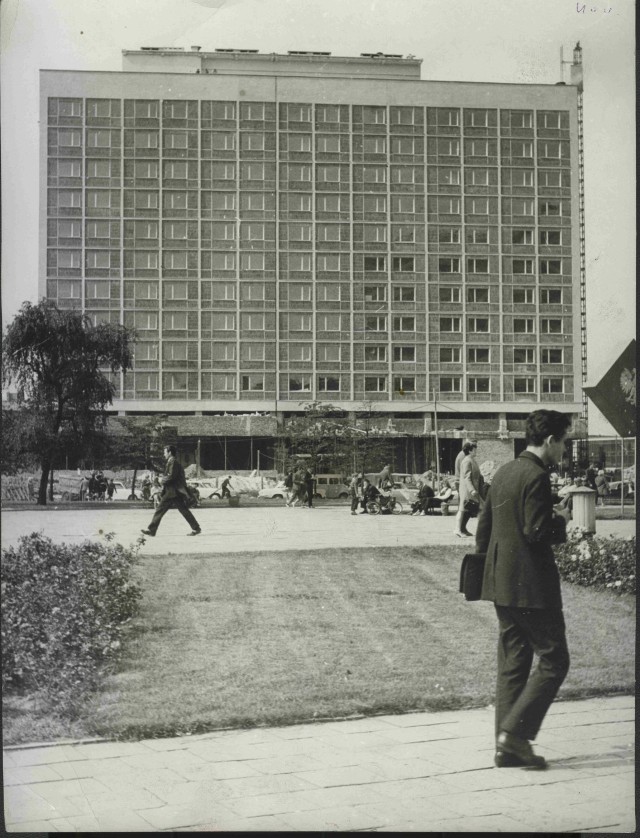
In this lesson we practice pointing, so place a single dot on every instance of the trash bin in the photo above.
(583, 508)
(234, 500)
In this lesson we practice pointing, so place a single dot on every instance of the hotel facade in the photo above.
(285, 229)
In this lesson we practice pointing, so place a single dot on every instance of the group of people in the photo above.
(362, 490)
(299, 488)
(428, 500)
(96, 487)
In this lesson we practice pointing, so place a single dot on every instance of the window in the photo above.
(68, 258)
(328, 384)
(177, 110)
(98, 258)
(450, 384)
(145, 260)
(479, 177)
(223, 322)
(375, 293)
(97, 290)
(478, 266)
(146, 382)
(477, 384)
(402, 263)
(448, 206)
(404, 294)
(223, 291)
(299, 261)
(69, 168)
(145, 200)
(375, 263)
(522, 237)
(478, 235)
(178, 230)
(524, 385)
(330, 262)
(69, 108)
(375, 203)
(223, 261)
(522, 177)
(328, 232)
(450, 177)
(375, 233)
(374, 115)
(175, 320)
(146, 320)
(69, 199)
(223, 383)
(403, 145)
(449, 235)
(449, 265)
(146, 290)
(175, 351)
(329, 203)
(403, 203)
(478, 354)
(300, 383)
(404, 324)
(551, 325)
(176, 139)
(521, 119)
(375, 323)
(449, 148)
(329, 322)
(523, 355)
(174, 260)
(175, 169)
(145, 110)
(223, 351)
(69, 138)
(523, 296)
(404, 354)
(374, 174)
(450, 354)
(223, 141)
(523, 325)
(552, 178)
(299, 293)
(300, 232)
(146, 352)
(299, 322)
(375, 145)
(99, 198)
(299, 142)
(551, 266)
(176, 200)
(175, 290)
(478, 324)
(223, 110)
(550, 208)
(71, 229)
(328, 174)
(328, 352)
(300, 352)
(404, 384)
(328, 113)
(479, 148)
(477, 295)
(98, 168)
(145, 139)
(253, 321)
(552, 355)
(299, 203)
(99, 139)
(252, 261)
(295, 113)
(375, 383)
(404, 174)
(478, 206)
(375, 354)
(253, 232)
(252, 142)
(253, 171)
(448, 294)
(100, 108)
(550, 237)
(450, 324)
(521, 148)
(448, 117)
(478, 119)
(252, 383)
(551, 296)
(223, 171)
(522, 266)
(550, 150)
(553, 385)
(522, 206)
(145, 169)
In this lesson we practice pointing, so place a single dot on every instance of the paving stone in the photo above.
(291, 764)
(400, 769)
(133, 798)
(421, 733)
(23, 804)
(80, 823)
(262, 784)
(333, 819)
(342, 776)
(221, 770)
(28, 826)
(108, 750)
(23, 775)
(124, 820)
(43, 756)
(175, 760)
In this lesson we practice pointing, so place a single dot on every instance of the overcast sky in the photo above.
(466, 40)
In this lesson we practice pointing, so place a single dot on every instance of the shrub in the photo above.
(588, 560)
(63, 611)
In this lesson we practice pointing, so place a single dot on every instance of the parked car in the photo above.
(276, 491)
(206, 488)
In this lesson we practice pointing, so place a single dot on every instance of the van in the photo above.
(330, 486)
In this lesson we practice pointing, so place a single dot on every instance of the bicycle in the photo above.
(384, 506)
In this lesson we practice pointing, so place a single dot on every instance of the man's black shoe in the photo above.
(194, 532)
(148, 532)
(514, 752)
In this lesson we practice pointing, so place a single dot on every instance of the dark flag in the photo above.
(615, 394)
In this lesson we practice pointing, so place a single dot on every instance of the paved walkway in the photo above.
(416, 772)
(226, 529)
(420, 772)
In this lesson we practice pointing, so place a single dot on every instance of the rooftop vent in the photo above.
(196, 49)
(378, 55)
(162, 49)
(306, 52)
(236, 50)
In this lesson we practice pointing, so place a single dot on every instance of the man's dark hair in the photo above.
(544, 423)
(171, 449)
(468, 447)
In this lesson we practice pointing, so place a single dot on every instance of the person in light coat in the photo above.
(469, 488)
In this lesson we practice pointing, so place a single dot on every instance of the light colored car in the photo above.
(276, 491)
(205, 488)
(330, 486)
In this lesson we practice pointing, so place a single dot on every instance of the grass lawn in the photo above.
(268, 638)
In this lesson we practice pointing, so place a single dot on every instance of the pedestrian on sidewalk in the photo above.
(309, 487)
(469, 489)
(516, 530)
(224, 488)
(288, 488)
(175, 494)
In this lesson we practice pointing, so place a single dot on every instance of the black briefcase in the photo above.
(471, 573)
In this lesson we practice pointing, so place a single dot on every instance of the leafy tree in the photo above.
(62, 367)
(322, 435)
(134, 443)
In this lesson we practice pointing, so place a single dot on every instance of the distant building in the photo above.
(288, 228)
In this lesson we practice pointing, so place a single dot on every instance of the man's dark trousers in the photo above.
(522, 701)
(165, 505)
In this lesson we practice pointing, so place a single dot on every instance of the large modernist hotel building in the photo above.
(287, 228)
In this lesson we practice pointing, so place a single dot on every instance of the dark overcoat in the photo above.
(516, 531)
(173, 481)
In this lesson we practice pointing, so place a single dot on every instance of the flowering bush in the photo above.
(63, 611)
(591, 561)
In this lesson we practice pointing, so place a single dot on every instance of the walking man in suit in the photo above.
(174, 494)
(516, 529)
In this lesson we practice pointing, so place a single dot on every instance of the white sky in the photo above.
(465, 40)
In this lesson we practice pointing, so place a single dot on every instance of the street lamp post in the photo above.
(435, 431)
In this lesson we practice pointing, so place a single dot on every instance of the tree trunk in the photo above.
(132, 496)
(51, 484)
(44, 481)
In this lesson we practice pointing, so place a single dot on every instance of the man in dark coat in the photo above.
(175, 494)
(516, 529)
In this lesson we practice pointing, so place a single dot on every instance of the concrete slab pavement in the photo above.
(246, 528)
(416, 772)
